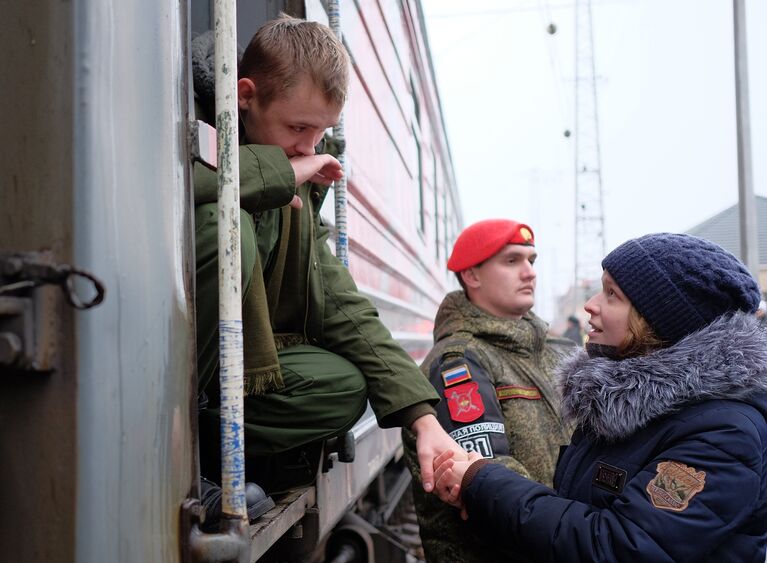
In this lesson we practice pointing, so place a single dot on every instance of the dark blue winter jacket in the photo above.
(668, 462)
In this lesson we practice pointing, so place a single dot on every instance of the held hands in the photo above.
(448, 474)
(431, 441)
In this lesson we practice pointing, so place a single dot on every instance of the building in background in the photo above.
(724, 229)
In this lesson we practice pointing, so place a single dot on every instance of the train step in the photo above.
(289, 509)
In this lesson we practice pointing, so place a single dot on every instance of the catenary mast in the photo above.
(589, 216)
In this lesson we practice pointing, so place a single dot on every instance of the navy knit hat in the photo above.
(681, 283)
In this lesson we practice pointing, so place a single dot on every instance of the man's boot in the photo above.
(256, 500)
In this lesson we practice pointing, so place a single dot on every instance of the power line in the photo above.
(519, 9)
(547, 22)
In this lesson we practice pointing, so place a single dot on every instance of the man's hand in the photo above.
(319, 168)
(431, 441)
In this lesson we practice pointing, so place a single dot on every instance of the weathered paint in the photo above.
(232, 433)
(230, 291)
(339, 186)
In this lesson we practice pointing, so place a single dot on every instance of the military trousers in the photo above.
(324, 395)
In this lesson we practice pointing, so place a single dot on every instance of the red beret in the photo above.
(484, 240)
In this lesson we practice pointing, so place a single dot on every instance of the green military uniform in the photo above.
(324, 340)
(494, 376)
(335, 351)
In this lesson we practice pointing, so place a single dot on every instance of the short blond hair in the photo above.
(286, 49)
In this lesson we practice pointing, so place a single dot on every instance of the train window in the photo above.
(416, 126)
(435, 187)
(419, 179)
(416, 104)
(445, 221)
(250, 16)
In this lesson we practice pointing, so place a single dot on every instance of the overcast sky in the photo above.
(666, 100)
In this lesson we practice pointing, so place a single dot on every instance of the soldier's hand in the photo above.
(318, 168)
(431, 441)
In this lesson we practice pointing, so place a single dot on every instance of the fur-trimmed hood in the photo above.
(613, 399)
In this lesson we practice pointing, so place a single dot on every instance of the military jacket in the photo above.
(495, 378)
(326, 307)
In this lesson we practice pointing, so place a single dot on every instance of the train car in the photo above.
(97, 360)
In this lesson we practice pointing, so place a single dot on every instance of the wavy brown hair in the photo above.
(640, 338)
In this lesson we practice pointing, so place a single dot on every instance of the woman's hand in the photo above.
(448, 475)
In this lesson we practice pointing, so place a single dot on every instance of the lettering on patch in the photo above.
(477, 437)
(478, 428)
(480, 444)
(464, 402)
(516, 392)
(456, 375)
(609, 478)
(674, 486)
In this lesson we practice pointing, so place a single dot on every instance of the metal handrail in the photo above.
(339, 186)
(230, 291)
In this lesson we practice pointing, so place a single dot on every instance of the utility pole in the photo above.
(749, 249)
(589, 215)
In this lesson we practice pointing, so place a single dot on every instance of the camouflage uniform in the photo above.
(494, 376)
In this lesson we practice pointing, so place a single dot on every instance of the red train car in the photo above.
(403, 211)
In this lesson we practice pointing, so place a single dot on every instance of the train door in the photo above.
(96, 404)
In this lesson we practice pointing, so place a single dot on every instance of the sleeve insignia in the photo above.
(517, 392)
(464, 402)
(674, 485)
(477, 437)
(456, 375)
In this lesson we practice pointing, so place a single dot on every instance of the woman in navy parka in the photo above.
(669, 399)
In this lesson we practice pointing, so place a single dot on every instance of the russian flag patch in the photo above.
(456, 375)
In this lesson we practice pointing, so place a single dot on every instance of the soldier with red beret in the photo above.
(492, 366)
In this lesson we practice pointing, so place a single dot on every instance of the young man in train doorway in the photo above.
(492, 365)
(315, 349)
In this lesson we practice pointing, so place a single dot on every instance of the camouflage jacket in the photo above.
(495, 378)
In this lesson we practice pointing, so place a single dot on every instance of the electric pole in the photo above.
(589, 215)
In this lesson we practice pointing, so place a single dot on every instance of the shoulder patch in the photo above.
(456, 375)
(674, 485)
(517, 392)
(478, 437)
(464, 402)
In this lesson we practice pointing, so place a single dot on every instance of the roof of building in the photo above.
(724, 229)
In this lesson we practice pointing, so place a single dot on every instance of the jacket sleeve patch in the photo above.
(456, 375)
(516, 392)
(479, 437)
(464, 402)
(674, 485)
